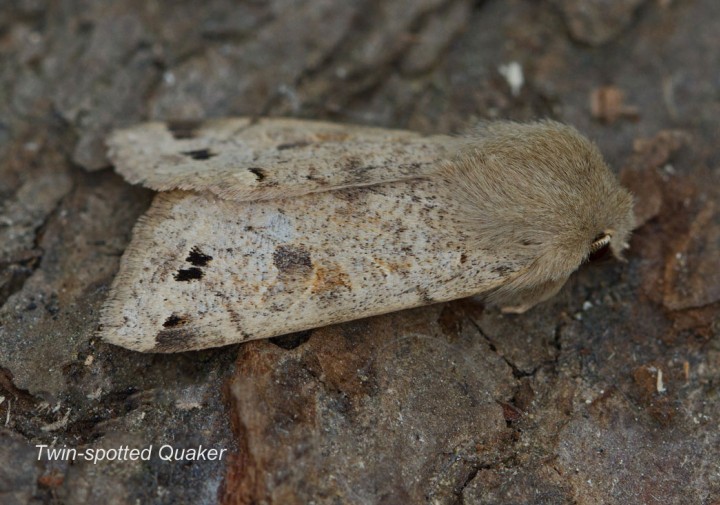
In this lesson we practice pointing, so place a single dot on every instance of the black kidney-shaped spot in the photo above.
(198, 258)
(174, 320)
(200, 154)
(183, 129)
(293, 145)
(188, 274)
(259, 173)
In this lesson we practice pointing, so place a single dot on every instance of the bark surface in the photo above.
(606, 394)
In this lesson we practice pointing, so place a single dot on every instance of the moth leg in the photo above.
(522, 301)
(516, 309)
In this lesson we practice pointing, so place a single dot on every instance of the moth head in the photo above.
(601, 241)
(613, 220)
(608, 244)
(541, 196)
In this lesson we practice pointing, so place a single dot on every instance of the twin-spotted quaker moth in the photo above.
(271, 226)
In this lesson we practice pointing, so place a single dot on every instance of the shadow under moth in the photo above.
(272, 226)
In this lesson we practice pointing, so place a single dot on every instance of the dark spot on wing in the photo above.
(288, 258)
(174, 340)
(292, 145)
(425, 296)
(259, 173)
(197, 258)
(174, 320)
(463, 258)
(292, 340)
(188, 274)
(184, 129)
(501, 269)
(200, 154)
(358, 172)
(352, 195)
(527, 242)
(352, 163)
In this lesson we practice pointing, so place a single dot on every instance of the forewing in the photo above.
(246, 159)
(203, 272)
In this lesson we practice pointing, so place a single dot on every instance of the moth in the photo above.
(263, 227)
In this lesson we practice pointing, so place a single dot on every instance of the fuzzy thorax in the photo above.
(539, 194)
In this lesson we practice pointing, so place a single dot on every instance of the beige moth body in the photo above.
(271, 226)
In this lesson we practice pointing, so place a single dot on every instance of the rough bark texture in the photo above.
(447, 404)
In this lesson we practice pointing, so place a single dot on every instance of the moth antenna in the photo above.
(600, 241)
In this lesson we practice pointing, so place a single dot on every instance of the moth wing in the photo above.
(247, 159)
(202, 271)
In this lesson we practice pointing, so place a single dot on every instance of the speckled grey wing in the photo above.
(202, 271)
(248, 159)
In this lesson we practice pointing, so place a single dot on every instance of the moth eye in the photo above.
(600, 247)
